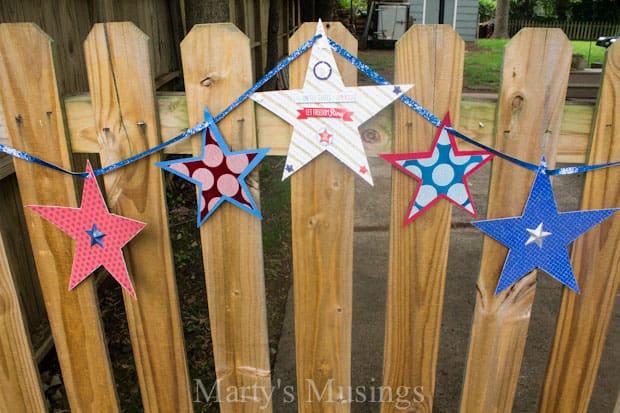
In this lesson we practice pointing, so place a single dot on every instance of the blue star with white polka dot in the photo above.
(96, 236)
(442, 172)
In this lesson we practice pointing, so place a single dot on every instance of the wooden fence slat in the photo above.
(34, 120)
(534, 81)
(322, 201)
(120, 78)
(20, 386)
(231, 238)
(431, 58)
(584, 319)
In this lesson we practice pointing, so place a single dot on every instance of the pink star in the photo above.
(363, 169)
(324, 137)
(99, 235)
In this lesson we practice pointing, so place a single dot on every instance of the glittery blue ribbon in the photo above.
(364, 68)
(189, 132)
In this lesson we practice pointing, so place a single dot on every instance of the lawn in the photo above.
(483, 61)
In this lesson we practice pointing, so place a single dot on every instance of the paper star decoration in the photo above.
(326, 106)
(99, 235)
(441, 172)
(218, 173)
(540, 237)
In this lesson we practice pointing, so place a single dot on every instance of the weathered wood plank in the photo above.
(534, 79)
(476, 120)
(322, 198)
(20, 386)
(584, 319)
(34, 120)
(121, 85)
(231, 238)
(431, 58)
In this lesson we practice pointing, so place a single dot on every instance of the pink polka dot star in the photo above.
(99, 235)
(218, 173)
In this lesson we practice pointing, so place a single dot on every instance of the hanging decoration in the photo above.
(99, 235)
(326, 114)
(540, 237)
(218, 173)
(441, 172)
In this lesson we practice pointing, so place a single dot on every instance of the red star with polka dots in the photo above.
(99, 235)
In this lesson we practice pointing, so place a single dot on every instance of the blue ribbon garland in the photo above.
(189, 132)
(364, 68)
(361, 66)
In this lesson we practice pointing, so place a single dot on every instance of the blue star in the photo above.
(289, 168)
(540, 237)
(96, 236)
(397, 90)
(218, 172)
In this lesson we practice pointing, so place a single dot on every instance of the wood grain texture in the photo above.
(322, 202)
(476, 120)
(584, 319)
(534, 79)
(231, 238)
(431, 58)
(35, 123)
(121, 85)
(20, 386)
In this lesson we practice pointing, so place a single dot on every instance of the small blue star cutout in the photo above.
(289, 168)
(397, 90)
(96, 236)
(540, 237)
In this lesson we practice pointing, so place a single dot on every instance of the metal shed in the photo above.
(462, 15)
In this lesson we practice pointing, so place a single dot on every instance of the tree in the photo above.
(502, 13)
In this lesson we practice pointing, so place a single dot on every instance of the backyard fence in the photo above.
(122, 116)
(574, 30)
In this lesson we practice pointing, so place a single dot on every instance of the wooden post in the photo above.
(431, 58)
(20, 386)
(584, 319)
(534, 80)
(121, 85)
(217, 69)
(322, 202)
(34, 119)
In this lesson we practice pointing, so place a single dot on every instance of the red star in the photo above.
(325, 137)
(363, 169)
(99, 235)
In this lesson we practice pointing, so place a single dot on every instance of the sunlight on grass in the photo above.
(483, 63)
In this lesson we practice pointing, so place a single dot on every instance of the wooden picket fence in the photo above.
(122, 117)
(574, 30)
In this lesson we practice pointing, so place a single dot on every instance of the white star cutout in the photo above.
(537, 235)
(325, 103)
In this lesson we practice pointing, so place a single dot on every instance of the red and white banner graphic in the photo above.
(340, 113)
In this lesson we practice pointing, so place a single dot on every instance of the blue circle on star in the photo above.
(322, 70)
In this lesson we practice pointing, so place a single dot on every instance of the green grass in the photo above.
(483, 65)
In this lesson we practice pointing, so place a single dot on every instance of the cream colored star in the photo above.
(325, 103)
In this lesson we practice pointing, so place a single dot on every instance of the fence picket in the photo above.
(534, 80)
(34, 119)
(20, 386)
(118, 58)
(426, 56)
(575, 357)
(322, 198)
(231, 238)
